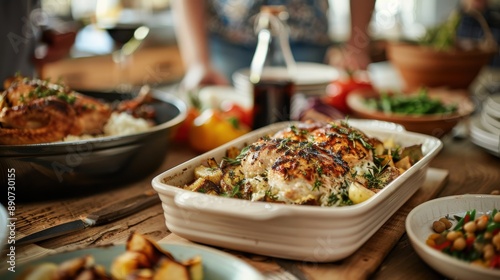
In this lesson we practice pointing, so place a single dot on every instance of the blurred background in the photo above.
(158, 61)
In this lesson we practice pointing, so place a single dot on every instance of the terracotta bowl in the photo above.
(423, 66)
(436, 125)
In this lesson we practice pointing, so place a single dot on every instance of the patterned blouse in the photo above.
(234, 19)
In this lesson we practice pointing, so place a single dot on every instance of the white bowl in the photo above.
(214, 96)
(419, 227)
(307, 233)
(310, 78)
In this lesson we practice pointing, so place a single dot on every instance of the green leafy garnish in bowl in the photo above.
(410, 104)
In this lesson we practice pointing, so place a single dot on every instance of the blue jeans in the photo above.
(228, 57)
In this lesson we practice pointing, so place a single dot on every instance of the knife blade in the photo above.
(102, 216)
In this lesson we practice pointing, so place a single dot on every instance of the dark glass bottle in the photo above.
(270, 71)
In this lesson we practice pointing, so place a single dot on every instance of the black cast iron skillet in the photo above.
(50, 170)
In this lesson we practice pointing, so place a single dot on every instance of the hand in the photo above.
(199, 75)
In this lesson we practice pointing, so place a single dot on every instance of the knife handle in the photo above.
(123, 208)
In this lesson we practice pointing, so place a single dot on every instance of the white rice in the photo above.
(118, 124)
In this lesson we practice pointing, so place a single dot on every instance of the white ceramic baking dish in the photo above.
(299, 232)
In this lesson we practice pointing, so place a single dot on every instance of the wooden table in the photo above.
(471, 170)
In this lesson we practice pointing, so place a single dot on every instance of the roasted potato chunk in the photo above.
(214, 174)
(204, 186)
(142, 260)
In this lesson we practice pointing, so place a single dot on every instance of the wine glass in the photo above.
(126, 23)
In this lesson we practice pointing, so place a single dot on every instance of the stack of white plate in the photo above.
(310, 78)
(485, 127)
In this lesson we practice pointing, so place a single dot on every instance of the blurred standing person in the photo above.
(19, 32)
(216, 37)
(28, 39)
(469, 27)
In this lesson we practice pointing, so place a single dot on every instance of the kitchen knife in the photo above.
(102, 216)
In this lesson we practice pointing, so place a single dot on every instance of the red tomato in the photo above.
(231, 109)
(182, 133)
(337, 92)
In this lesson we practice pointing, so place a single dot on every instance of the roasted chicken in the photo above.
(37, 111)
(314, 163)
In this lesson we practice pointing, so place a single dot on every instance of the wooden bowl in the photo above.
(424, 66)
(436, 125)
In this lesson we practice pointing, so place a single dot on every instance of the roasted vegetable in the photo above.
(78, 268)
(211, 130)
(142, 260)
(317, 109)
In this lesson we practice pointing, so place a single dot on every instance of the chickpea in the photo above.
(459, 244)
(496, 218)
(446, 222)
(434, 236)
(470, 235)
(481, 223)
(452, 235)
(488, 235)
(496, 241)
(438, 226)
(488, 252)
(430, 242)
(487, 246)
(470, 226)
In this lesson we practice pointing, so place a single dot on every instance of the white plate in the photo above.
(419, 227)
(300, 232)
(480, 131)
(488, 109)
(217, 265)
(483, 138)
(214, 96)
(490, 124)
(306, 74)
(494, 101)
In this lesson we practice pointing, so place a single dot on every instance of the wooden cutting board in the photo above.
(365, 261)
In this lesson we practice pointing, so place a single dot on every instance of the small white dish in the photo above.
(310, 78)
(306, 74)
(217, 265)
(419, 227)
(214, 96)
